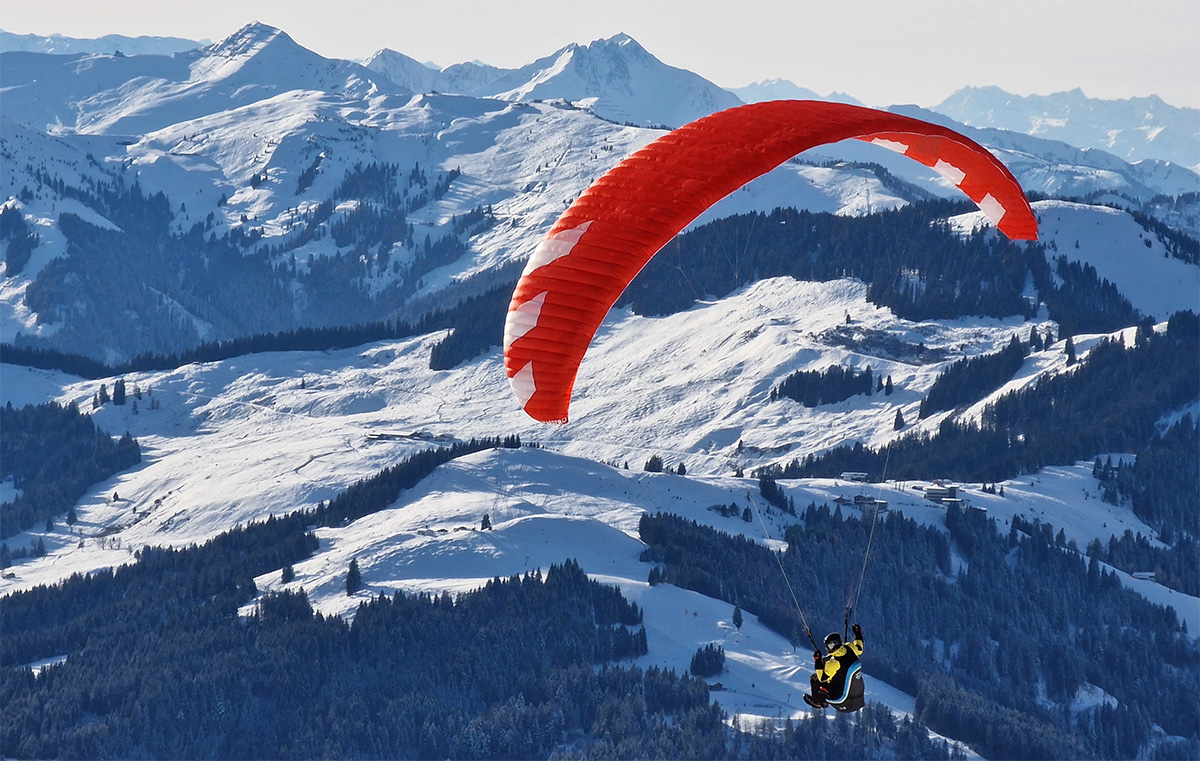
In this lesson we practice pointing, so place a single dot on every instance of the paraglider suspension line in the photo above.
(782, 572)
(852, 602)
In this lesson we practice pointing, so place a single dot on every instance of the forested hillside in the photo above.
(54, 455)
(995, 632)
(912, 260)
(1111, 403)
(204, 281)
(532, 666)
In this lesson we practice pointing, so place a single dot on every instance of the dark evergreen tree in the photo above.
(898, 423)
(486, 523)
(737, 617)
(654, 464)
(708, 661)
(353, 578)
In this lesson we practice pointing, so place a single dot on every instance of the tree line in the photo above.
(910, 259)
(54, 454)
(834, 384)
(970, 379)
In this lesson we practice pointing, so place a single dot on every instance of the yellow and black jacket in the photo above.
(837, 666)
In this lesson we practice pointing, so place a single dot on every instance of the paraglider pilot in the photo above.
(837, 675)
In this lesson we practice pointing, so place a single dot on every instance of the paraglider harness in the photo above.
(845, 693)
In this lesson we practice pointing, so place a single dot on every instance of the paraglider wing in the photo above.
(603, 240)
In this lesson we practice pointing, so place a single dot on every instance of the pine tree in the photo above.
(737, 617)
(353, 579)
(1070, 349)
(899, 422)
(486, 523)
(288, 575)
(119, 391)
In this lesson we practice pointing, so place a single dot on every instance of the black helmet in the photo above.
(833, 642)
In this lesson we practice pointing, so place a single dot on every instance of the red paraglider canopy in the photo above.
(603, 240)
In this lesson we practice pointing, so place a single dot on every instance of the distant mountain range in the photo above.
(1133, 129)
(110, 44)
(783, 89)
(613, 76)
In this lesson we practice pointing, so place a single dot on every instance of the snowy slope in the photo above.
(1123, 253)
(544, 507)
(691, 388)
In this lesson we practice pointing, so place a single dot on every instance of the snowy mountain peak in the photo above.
(616, 78)
(250, 39)
(622, 43)
(621, 81)
(403, 70)
(254, 42)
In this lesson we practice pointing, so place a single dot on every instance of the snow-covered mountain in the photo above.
(108, 44)
(783, 89)
(260, 142)
(1132, 129)
(616, 78)
(123, 95)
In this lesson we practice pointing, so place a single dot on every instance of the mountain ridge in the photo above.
(1133, 128)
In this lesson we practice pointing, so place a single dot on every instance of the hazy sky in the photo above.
(880, 51)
